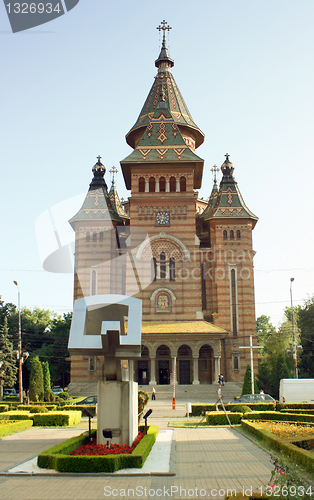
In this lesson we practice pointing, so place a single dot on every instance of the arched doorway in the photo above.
(205, 365)
(163, 356)
(143, 367)
(184, 359)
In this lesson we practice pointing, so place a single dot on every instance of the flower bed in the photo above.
(101, 449)
(59, 457)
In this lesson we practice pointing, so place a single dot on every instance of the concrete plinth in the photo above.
(117, 409)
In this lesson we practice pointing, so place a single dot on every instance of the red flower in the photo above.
(101, 449)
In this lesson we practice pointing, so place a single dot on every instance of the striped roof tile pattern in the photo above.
(180, 327)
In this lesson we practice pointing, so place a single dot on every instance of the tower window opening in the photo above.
(153, 269)
(139, 210)
(182, 184)
(94, 283)
(172, 184)
(101, 236)
(141, 185)
(145, 210)
(231, 234)
(88, 236)
(163, 271)
(225, 236)
(94, 236)
(152, 184)
(172, 268)
(238, 234)
(162, 185)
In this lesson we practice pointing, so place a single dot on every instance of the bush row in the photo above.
(52, 419)
(4, 408)
(279, 416)
(219, 418)
(91, 409)
(11, 427)
(200, 409)
(57, 457)
(303, 457)
(292, 410)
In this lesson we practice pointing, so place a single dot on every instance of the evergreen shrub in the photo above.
(38, 409)
(64, 395)
(198, 409)
(241, 409)
(57, 419)
(91, 408)
(253, 406)
(4, 408)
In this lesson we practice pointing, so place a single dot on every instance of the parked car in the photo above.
(10, 392)
(256, 398)
(90, 400)
(57, 390)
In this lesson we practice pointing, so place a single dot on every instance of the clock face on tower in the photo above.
(162, 218)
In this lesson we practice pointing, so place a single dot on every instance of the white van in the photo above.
(296, 390)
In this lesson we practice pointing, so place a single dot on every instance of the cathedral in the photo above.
(190, 261)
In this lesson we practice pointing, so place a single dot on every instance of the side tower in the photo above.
(225, 228)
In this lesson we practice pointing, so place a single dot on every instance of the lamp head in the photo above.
(15, 283)
(291, 279)
(150, 411)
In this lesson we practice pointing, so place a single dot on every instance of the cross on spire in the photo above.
(165, 26)
(215, 169)
(227, 156)
(113, 171)
(99, 158)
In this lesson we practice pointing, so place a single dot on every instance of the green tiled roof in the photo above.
(165, 83)
(115, 201)
(211, 202)
(97, 204)
(229, 203)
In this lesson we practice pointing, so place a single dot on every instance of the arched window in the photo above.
(225, 236)
(184, 210)
(101, 236)
(141, 185)
(162, 184)
(231, 235)
(88, 236)
(236, 362)
(172, 184)
(182, 184)
(238, 234)
(145, 210)
(152, 184)
(139, 210)
(163, 272)
(153, 269)
(172, 268)
(151, 211)
(94, 236)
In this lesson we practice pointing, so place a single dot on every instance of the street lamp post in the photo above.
(20, 360)
(295, 361)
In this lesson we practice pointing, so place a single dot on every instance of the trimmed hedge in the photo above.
(57, 419)
(292, 410)
(91, 409)
(11, 427)
(219, 418)
(279, 416)
(57, 457)
(198, 409)
(300, 406)
(51, 419)
(299, 455)
(253, 406)
(4, 408)
(48, 406)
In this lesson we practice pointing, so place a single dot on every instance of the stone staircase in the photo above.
(184, 393)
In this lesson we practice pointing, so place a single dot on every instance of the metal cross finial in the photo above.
(164, 28)
(227, 156)
(215, 169)
(99, 158)
(113, 171)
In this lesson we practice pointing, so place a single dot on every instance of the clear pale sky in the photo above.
(71, 89)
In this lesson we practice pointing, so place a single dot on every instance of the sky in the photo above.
(72, 88)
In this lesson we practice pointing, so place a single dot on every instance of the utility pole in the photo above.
(19, 348)
(295, 360)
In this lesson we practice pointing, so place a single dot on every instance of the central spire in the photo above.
(164, 62)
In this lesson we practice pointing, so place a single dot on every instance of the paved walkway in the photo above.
(207, 462)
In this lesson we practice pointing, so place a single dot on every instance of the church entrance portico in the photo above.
(163, 355)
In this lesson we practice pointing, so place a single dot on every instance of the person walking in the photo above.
(222, 379)
(153, 394)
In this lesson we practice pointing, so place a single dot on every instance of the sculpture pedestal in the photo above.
(117, 409)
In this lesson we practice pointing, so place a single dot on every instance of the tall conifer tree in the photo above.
(9, 367)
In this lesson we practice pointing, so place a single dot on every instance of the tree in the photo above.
(9, 367)
(36, 385)
(48, 394)
(264, 330)
(247, 384)
(306, 324)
